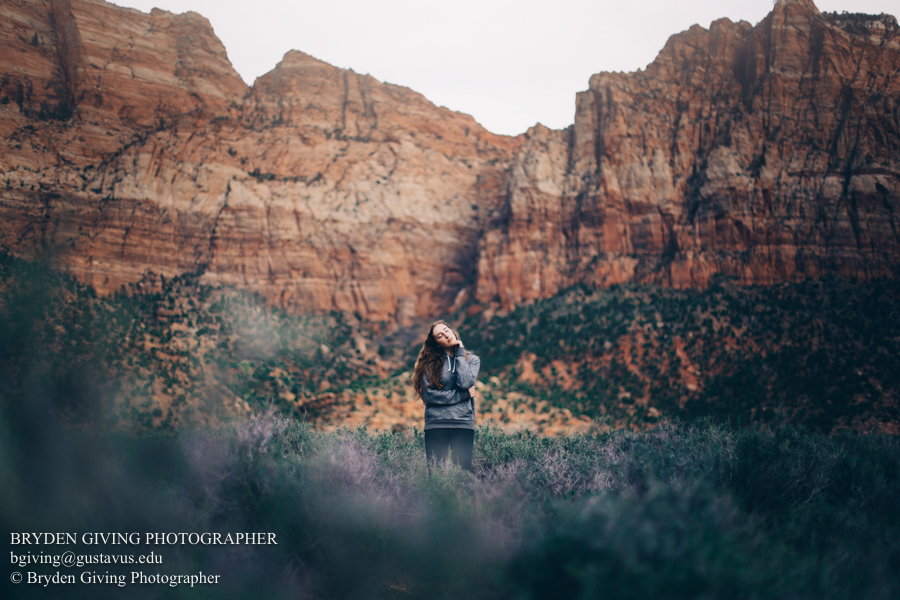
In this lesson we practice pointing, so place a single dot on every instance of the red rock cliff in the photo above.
(769, 153)
(130, 144)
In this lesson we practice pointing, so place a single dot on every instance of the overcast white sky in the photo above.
(508, 63)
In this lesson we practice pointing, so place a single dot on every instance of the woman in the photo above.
(444, 379)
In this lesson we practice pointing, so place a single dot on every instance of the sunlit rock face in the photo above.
(130, 145)
(767, 153)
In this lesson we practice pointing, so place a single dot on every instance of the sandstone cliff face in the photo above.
(769, 153)
(132, 145)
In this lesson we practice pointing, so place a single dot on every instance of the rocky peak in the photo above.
(320, 188)
(138, 68)
(767, 153)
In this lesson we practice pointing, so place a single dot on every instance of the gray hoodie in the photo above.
(452, 406)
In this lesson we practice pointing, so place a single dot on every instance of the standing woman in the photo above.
(444, 379)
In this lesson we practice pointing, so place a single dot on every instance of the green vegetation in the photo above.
(862, 23)
(682, 511)
(822, 352)
(727, 496)
(163, 352)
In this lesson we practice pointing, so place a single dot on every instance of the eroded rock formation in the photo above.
(770, 153)
(132, 145)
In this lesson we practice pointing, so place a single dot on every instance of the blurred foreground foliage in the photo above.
(696, 510)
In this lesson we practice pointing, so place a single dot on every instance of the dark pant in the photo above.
(457, 442)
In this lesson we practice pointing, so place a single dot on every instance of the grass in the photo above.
(698, 510)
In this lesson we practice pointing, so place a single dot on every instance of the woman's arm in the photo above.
(430, 395)
(466, 371)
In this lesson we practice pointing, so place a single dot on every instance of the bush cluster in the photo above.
(696, 510)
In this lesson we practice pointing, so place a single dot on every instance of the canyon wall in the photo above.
(129, 144)
(767, 153)
(132, 145)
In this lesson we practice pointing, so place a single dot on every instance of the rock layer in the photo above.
(767, 153)
(133, 146)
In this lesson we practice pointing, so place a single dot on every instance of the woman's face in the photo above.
(444, 336)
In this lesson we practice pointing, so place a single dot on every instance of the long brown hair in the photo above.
(431, 359)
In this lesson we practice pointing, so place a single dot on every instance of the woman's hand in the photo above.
(445, 337)
(472, 391)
